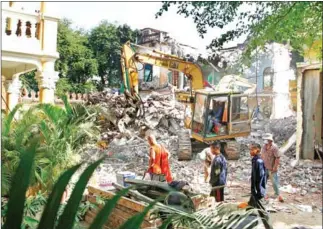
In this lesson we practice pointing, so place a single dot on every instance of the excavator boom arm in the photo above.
(130, 72)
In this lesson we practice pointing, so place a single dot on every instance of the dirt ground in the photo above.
(287, 215)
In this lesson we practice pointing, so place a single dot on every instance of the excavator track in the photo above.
(188, 147)
(184, 145)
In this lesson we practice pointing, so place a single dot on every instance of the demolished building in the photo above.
(154, 77)
(271, 69)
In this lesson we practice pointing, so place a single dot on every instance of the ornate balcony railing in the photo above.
(20, 31)
(33, 97)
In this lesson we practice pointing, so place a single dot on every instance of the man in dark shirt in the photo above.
(218, 176)
(258, 184)
(258, 173)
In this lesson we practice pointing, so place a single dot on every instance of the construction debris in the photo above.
(126, 123)
(303, 175)
(125, 120)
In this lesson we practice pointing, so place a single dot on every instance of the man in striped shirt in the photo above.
(270, 155)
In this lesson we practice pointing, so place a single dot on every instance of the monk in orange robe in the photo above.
(158, 159)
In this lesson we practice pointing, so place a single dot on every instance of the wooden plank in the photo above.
(118, 208)
(293, 93)
(129, 203)
(115, 220)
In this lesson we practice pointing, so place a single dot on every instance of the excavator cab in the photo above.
(219, 116)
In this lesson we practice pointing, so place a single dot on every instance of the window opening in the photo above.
(268, 78)
(148, 73)
(199, 117)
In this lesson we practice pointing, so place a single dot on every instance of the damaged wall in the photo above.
(271, 69)
(282, 106)
(309, 106)
(168, 45)
(160, 77)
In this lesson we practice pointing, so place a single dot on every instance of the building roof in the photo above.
(187, 46)
(156, 30)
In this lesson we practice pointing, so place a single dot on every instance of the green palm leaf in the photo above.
(66, 220)
(67, 105)
(19, 187)
(50, 213)
(8, 120)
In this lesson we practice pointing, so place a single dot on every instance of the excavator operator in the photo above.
(215, 116)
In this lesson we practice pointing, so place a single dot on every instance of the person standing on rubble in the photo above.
(258, 176)
(207, 157)
(158, 159)
(271, 157)
(218, 176)
(258, 184)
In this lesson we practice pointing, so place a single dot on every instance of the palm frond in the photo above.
(6, 178)
(8, 120)
(54, 113)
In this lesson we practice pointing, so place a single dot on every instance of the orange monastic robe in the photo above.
(154, 163)
(165, 165)
(159, 164)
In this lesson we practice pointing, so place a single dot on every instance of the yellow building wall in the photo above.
(3, 95)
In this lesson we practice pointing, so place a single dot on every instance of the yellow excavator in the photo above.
(210, 115)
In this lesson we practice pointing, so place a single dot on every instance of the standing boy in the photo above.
(258, 175)
(258, 183)
(218, 176)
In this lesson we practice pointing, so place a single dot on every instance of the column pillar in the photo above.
(12, 93)
(3, 93)
(47, 79)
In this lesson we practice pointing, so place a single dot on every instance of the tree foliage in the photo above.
(106, 40)
(76, 60)
(28, 81)
(87, 54)
(300, 23)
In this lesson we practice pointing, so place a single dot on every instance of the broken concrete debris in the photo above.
(123, 118)
(301, 176)
(125, 126)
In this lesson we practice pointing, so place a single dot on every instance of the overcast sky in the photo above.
(137, 15)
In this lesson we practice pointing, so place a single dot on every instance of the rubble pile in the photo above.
(306, 177)
(125, 129)
(282, 129)
(124, 125)
(127, 121)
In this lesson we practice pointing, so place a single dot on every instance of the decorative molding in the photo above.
(13, 86)
(47, 79)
